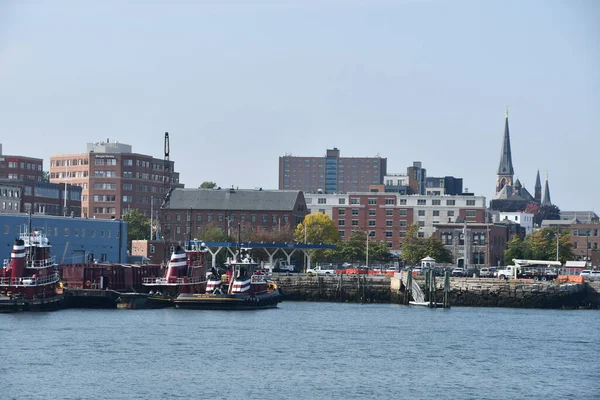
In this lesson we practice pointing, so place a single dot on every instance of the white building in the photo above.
(522, 218)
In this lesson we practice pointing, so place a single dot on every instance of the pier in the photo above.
(469, 292)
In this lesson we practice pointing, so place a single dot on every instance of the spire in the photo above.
(546, 199)
(506, 167)
(538, 188)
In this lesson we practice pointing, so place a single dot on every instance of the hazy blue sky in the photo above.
(238, 84)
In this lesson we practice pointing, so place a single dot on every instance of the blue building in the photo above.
(73, 240)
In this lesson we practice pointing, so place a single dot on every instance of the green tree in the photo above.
(353, 249)
(379, 251)
(413, 249)
(550, 212)
(138, 227)
(435, 249)
(207, 185)
(516, 249)
(45, 176)
(541, 245)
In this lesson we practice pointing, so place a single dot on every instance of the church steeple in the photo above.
(546, 199)
(538, 188)
(505, 168)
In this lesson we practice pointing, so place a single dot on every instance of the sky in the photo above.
(238, 84)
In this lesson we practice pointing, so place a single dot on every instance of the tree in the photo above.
(412, 246)
(516, 249)
(138, 226)
(532, 208)
(379, 251)
(353, 249)
(541, 245)
(45, 176)
(207, 185)
(434, 248)
(317, 228)
(550, 212)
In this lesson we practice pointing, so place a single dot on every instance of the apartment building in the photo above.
(386, 216)
(330, 174)
(114, 180)
(19, 168)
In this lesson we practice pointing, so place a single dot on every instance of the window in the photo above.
(390, 202)
(341, 211)
(372, 212)
(354, 222)
(421, 223)
(152, 249)
(274, 219)
(421, 234)
(355, 211)
(421, 202)
(389, 222)
(341, 201)
(436, 213)
(372, 201)
(450, 202)
(322, 200)
(371, 222)
(389, 212)
(403, 202)
(199, 218)
(421, 213)
(436, 202)
(264, 219)
(66, 231)
(402, 234)
(451, 213)
(470, 202)
(178, 230)
(471, 213)
(388, 234)
(341, 222)
(354, 201)
(342, 233)
(403, 224)
(402, 212)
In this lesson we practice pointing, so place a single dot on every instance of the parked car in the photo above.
(485, 273)
(590, 275)
(458, 272)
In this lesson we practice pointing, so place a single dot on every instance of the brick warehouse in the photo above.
(255, 210)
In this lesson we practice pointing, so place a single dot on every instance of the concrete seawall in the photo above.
(471, 292)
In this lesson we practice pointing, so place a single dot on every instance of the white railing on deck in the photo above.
(178, 281)
(30, 281)
(41, 263)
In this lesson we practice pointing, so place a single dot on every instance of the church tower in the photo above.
(538, 188)
(546, 199)
(505, 169)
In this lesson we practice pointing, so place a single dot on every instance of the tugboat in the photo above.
(185, 273)
(30, 280)
(243, 287)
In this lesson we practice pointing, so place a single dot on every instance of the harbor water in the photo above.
(302, 350)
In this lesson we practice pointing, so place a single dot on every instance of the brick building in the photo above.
(386, 216)
(480, 244)
(330, 174)
(254, 210)
(113, 179)
(20, 167)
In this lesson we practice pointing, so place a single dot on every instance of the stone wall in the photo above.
(470, 292)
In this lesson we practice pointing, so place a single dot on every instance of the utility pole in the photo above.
(151, 214)
(367, 250)
(557, 241)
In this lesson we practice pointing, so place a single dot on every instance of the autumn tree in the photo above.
(317, 228)
(516, 249)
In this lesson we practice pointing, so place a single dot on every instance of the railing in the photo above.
(30, 281)
(48, 262)
(177, 281)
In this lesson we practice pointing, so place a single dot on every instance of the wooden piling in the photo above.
(447, 289)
